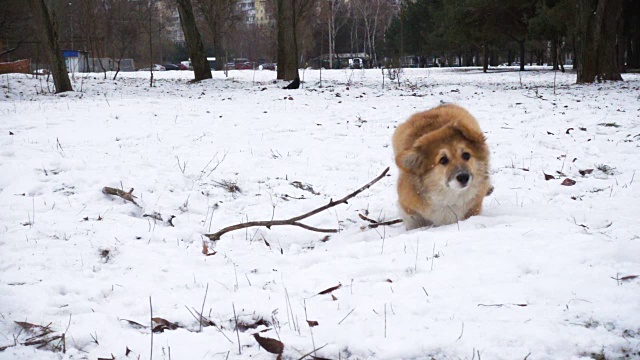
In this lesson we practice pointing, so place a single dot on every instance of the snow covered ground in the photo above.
(544, 273)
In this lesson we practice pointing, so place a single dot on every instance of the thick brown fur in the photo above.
(433, 191)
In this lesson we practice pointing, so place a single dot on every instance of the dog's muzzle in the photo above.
(461, 180)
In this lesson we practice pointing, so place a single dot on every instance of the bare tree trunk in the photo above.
(597, 26)
(522, 54)
(219, 16)
(201, 67)
(331, 37)
(49, 38)
(287, 40)
(493, 58)
(281, 54)
(554, 52)
(366, 42)
(633, 51)
(620, 48)
(631, 14)
(561, 54)
(296, 50)
(539, 57)
(150, 53)
(485, 58)
(336, 7)
(354, 34)
(219, 50)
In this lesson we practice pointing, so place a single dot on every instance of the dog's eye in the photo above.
(466, 156)
(444, 160)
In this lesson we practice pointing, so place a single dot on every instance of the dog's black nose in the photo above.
(463, 178)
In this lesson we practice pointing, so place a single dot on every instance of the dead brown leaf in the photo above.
(134, 324)
(244, 326)
(330, 290)
(163, 324)
(548, 177)
(205, 249)
(117, 192)
(568, 182)
(33, 327)
(271, 345)
(629, 277)
(585, 172)
(312, 323)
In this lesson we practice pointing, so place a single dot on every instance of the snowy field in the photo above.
(546, 272)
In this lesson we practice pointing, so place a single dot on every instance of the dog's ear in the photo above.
(410, 161)
(470, 134)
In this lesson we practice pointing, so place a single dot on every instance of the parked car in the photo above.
(156, 67)
(245, 66)
(182, 66)
(267, 66)
(170, 67)
(356, 63)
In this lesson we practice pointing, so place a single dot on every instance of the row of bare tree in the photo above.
(296, 32)
(145, 30)
(142, 30)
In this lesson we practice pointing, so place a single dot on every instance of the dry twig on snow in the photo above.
(374, 223)
(295, 221)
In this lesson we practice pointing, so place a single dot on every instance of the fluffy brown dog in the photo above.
(444, 163)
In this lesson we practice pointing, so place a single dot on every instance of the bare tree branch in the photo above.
(374, 223)
(294, 221)
(385, 223)
(13, 49)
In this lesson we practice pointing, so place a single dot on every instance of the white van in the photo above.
(356, 63)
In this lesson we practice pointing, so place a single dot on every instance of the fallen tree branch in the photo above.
(295, 221)
(117, 192)
(501, 305)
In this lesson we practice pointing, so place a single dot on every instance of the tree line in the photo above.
(600, 37)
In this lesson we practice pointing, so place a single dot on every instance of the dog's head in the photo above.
(449, 157)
